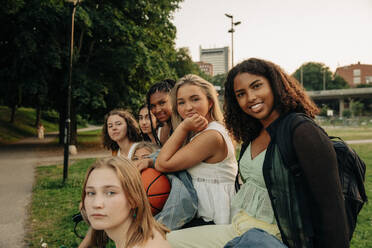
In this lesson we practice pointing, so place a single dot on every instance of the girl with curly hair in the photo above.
(120, 132)
(302, 208)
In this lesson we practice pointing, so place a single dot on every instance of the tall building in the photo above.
(218, 57)
(207, 68)
(356, 74)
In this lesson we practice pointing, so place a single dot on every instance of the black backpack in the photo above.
(350, 166)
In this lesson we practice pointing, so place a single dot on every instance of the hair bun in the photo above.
(171, 82)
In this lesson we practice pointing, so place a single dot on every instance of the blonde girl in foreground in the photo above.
(115, 205)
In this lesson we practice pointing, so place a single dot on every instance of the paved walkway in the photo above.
(17, 164)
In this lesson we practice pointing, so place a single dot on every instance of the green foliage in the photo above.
(364, 85)
(323, 110)
(120, 49)
(183, 63)
(23, 125)
(357, 108)
(346, 113)
(315, 75)
(50, 115)
(219, 79)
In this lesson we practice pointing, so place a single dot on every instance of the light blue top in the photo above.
(253, 196)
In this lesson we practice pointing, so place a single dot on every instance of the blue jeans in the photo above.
(182, 203)
(255, 238)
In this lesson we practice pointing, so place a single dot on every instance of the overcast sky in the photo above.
(286, 32)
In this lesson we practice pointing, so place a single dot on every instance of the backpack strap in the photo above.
(242, 150)
(284, 139)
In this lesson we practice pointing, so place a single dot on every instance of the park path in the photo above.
(17, 164)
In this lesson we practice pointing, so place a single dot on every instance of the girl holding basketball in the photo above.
(158, 100)
(201, 145)
(115, 205)
(120, 132)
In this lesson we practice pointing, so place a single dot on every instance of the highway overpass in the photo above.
(341, 95)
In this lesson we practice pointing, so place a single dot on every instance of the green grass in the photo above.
(23, 125)
(53, 205)
(90, 137)
(363, 233)
(359, 133)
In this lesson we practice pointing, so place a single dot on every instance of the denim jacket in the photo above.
(182, 203)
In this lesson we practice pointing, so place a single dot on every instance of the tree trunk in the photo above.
(38, 115)
(12, 114)
(73, 132)
(62, 124)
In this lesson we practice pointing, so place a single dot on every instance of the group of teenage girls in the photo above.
(238, 204)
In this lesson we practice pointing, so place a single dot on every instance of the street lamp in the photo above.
(324, 78)
(67, 134)
(232, 36)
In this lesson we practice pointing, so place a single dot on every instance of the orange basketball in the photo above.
(157, 188)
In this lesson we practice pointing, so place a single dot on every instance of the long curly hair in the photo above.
(289, 96)
(143, 224)
(133, 131)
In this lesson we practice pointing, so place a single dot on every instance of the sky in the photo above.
(286, 32)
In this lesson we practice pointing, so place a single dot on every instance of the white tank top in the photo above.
(215, 183)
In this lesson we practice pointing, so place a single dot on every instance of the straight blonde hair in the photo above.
(208, 89)
(143, 223)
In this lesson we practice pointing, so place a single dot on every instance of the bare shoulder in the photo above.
(211, 137)
(157, 242)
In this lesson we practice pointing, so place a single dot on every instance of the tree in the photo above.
(120, 49)
(183, 64)
(219, 79)
(317, 76)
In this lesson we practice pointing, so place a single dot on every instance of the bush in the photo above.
(81, 122)
(346, 113)
(357, 108)
(323, 110)
(50, 115)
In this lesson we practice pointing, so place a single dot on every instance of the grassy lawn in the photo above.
(53, 205)
(90, 136)
(363, 233)
(23, 125)
(358, 133)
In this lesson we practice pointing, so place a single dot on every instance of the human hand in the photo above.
(143, 163)
(195, 123)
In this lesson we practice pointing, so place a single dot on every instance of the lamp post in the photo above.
(232, 30)
(67, 133)
(324, 78)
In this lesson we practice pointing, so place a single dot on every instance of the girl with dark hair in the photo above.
(303, 208)
(146, 120)
(158, 101)
(120, 132)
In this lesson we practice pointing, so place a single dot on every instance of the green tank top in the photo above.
(253, 197)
